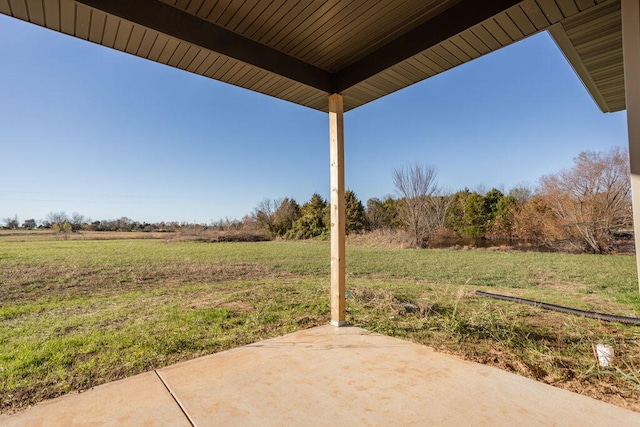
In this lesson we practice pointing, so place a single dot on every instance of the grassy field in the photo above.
(78, 313)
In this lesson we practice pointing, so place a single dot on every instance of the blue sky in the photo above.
(95, 131)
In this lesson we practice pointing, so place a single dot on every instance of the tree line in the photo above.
(582, 209)
(65, 223)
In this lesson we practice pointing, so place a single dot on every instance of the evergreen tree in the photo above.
(313, 221)
(474, 216)
(355, 216)
(455, 214)
(284, 217)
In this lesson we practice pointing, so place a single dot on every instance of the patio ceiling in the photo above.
(301, 51)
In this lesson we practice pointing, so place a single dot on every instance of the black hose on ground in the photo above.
(547, 306)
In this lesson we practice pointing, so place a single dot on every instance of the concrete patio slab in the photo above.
(142, 400)
(327, 376)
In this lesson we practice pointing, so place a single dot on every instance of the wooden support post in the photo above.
(336, 140)
(631, 52)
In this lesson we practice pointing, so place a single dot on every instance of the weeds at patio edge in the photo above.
(551, 347)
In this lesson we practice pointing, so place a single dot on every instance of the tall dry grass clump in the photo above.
(382, 238)
(214, 236)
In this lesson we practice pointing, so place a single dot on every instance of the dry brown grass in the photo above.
(390, 239)
(184, 235)
(48, 235)
(215, 236)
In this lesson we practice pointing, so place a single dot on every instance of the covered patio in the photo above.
(334, 56)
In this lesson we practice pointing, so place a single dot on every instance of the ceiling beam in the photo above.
(175, 23)
(452, 21)
(189, 28)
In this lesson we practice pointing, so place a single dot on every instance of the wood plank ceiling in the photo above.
(301, 51)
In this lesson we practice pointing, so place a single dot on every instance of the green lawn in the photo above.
(78, 313)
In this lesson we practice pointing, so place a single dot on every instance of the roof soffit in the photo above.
(300, 51)
(592, 43)
(452, 18)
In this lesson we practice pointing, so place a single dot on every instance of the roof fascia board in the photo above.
(183, 26)
(461, 16)
(569, 51)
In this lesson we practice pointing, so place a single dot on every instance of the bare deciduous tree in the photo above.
(590, 201)
(420, 208)
(77, 221)
(58, 218)
(276, 216)
(60, 223)
(11, 222)
(29, 224)
(437, 208)
(522, 192)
